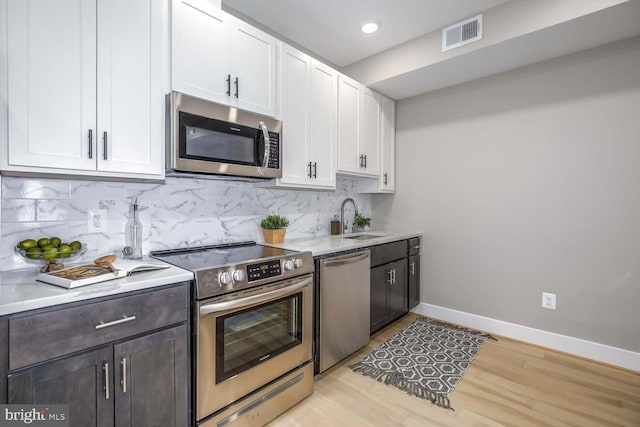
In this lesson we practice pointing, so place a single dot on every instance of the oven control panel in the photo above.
(264, 270)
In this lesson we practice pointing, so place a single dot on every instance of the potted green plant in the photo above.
(362, 221)
(273, 228)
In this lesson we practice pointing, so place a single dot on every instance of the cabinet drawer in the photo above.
(388, 252)
(38, 337)
(414, 246)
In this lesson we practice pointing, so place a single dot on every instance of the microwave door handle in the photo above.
(267, 144)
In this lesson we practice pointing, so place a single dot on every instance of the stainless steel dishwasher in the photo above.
(344, 306)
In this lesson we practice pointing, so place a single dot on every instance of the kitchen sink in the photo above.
(363, 237)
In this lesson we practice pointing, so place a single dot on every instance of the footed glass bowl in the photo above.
(50, 258)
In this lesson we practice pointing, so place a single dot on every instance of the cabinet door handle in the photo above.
(91, 143)
(309, 166)
(104, 143)
(393, 275)
(413, 268)
(237, 86)
(124, 319)
(365, 161)
(123, 381)
(361, 164)
(390, 278)
(105, 372)
(384, 180)
(228, 84)
(315, 170)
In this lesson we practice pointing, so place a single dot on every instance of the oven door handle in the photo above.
(254, 299)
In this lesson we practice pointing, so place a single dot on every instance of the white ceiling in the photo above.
(331, 28)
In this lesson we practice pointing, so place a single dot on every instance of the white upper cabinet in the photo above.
(51, 58)
(219, 58)
(323, 124)
(253, 68)
(308, 97)
(370, 131)
(130, 98)
(199, 50)
(85, 87)
(295, 70)
(358, 129)
(388, 144)
(349, 117)
(386, 181)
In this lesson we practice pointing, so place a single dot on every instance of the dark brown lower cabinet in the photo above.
(139, 382)
(121, 360)
(78, 381)
(151, 372)
(414, 281)
(388, 293)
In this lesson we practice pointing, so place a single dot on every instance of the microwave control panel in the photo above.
(274, 153)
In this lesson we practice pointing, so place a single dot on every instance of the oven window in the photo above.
(249, 337)
(217, 141)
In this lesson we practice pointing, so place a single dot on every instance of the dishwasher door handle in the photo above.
(346, 260)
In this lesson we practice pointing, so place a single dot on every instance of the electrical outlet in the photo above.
(97, 221)
(549, 300)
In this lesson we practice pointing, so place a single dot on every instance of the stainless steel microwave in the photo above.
(209, 138)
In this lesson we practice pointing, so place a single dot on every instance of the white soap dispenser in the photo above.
(134, 233)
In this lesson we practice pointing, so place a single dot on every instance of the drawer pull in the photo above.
(124, 319)
(105, 370)
(123, 381)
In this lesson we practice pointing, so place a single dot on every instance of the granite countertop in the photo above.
(19, 290)
(323, 245)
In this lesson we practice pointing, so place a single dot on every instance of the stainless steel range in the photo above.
(252, 315)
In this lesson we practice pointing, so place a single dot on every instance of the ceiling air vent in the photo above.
(464, 32)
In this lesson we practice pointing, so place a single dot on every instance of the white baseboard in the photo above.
(591, 350)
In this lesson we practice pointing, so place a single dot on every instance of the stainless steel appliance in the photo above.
(344, 306)
(209, 138)
(252, 316)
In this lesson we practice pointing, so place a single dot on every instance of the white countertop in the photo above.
(329, 244)
(19, 290)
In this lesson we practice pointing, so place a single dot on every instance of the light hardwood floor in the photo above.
(510, 383)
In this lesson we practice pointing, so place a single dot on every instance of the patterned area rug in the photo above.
(427, 359)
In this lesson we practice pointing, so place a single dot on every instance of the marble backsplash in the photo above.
(178, 213)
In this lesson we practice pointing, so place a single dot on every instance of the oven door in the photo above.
(248, 339)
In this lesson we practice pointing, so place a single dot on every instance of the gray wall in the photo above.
(529, 181)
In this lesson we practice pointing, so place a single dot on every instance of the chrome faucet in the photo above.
(343, 225)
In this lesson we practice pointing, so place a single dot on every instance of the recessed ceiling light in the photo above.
(370, 27)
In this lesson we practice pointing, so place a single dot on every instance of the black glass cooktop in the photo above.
(206, 257)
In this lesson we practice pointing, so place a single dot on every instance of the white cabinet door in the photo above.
(370, 132)
(252, 59)
(130, 98)
(388, 142)
(85, 84)
(294, 100)
(348, 125)
(200, 50)
(323, 129)
(308, 99)
(51, 57)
